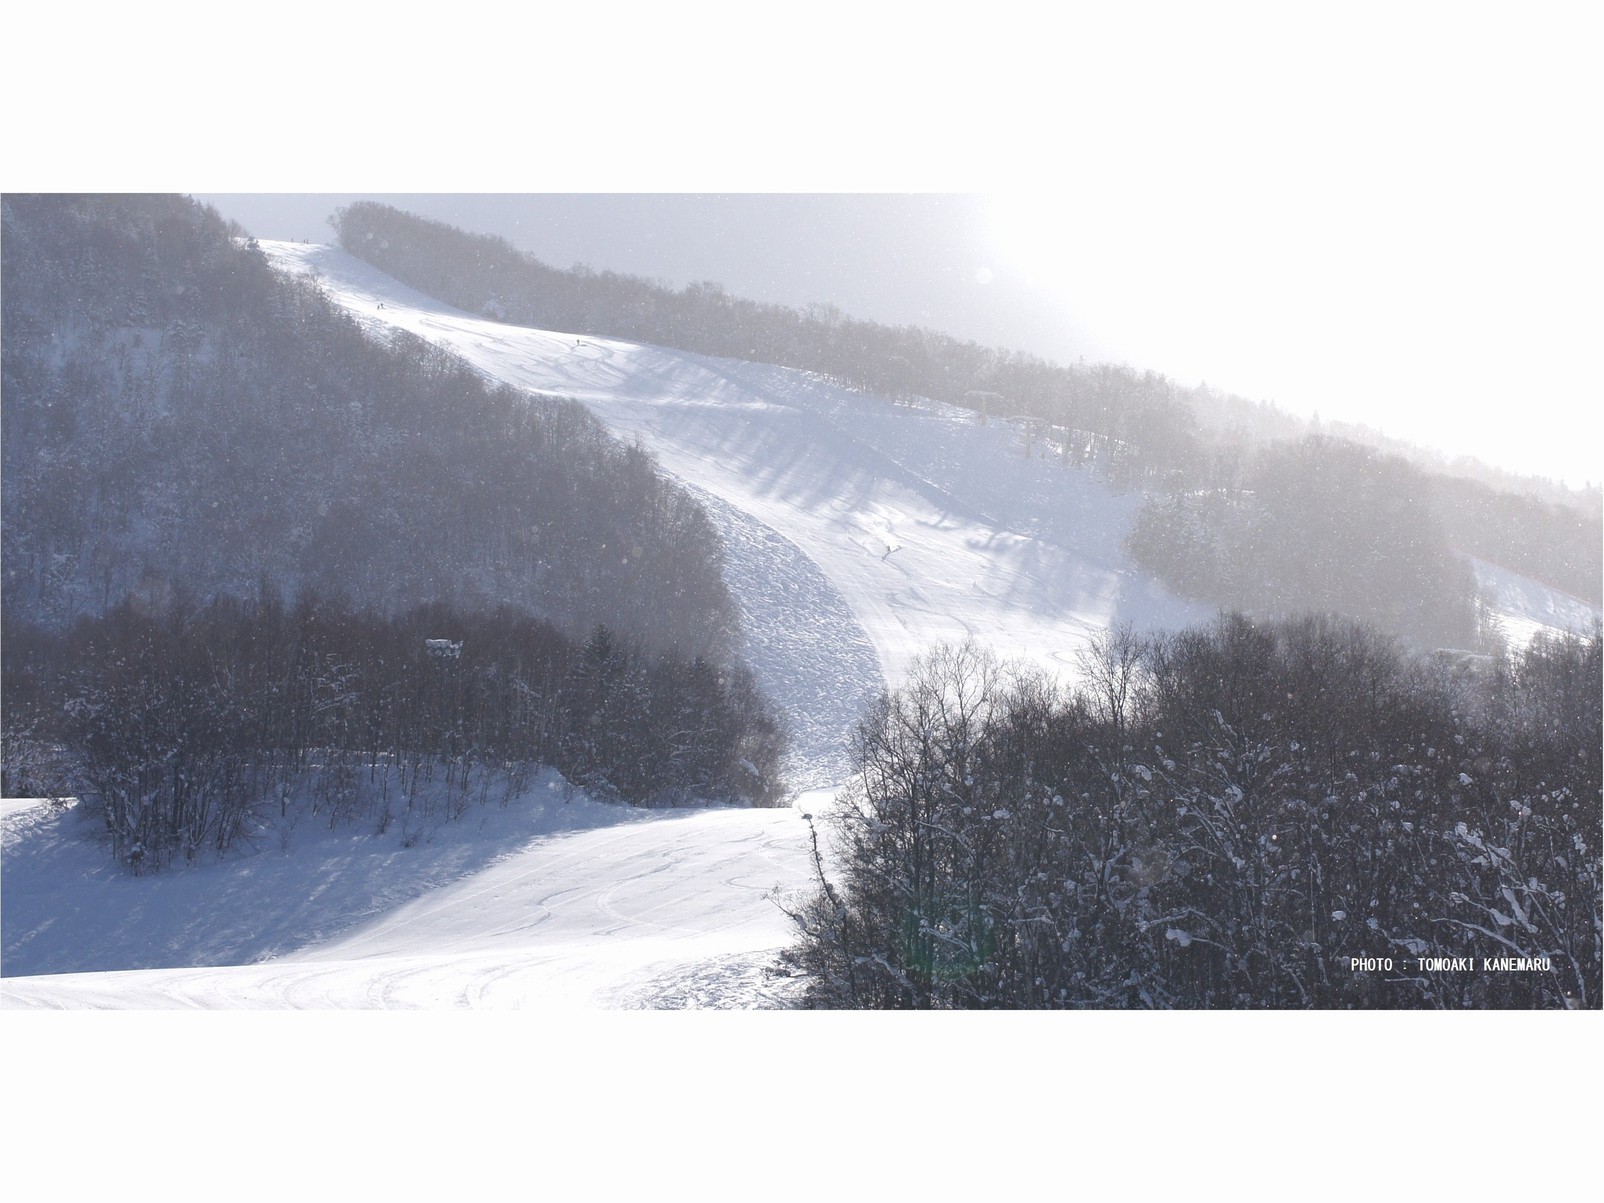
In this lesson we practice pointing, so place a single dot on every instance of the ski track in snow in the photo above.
(857, 533)
(612, 908)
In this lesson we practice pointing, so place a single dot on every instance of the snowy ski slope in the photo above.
(550, 903)
(860, 532)
(857, 532)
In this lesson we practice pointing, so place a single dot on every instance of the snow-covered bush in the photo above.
(1234, 816)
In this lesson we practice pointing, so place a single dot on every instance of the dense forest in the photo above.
(186, 723)
(1317, 525)
(1247, 509)
(1293, 814)
(1325, 524)
(179, 415)
(231, 520)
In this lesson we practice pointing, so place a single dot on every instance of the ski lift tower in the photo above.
(983, 401)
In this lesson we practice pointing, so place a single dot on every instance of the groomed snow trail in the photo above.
(1526, 608)
(657, 910)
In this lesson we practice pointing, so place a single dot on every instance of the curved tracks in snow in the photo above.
(676, 909)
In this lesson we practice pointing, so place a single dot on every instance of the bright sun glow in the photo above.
(1199, 290)
(1411, 305)
(1393, 228)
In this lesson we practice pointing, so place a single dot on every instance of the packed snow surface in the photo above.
(552, 901)
(1526, 607)
(857, 532)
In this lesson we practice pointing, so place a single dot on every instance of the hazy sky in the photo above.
(931, 260)
(1386, 213)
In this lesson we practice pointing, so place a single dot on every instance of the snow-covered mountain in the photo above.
(857, 532)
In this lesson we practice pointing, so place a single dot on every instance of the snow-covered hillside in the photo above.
(1526, 607)
(857, 533)
(860, 532)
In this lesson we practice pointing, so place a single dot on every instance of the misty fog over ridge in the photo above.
(1231, 517)
(961, 264)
